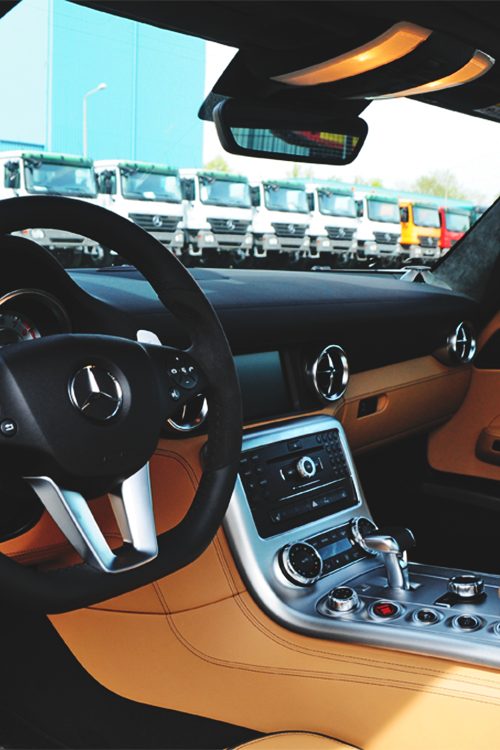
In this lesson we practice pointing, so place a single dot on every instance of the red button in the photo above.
(385, 609)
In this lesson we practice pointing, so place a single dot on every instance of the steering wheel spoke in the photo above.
(132, 505)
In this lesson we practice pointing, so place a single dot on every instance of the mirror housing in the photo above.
(106, 182)
(187, 187)
(255, 195)
(12, 175)
(289, 134)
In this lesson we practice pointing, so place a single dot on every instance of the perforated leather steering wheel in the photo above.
(88, 411)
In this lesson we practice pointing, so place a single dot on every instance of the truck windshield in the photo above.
(224, 192)
(279, 198)
(336, 205)
(59, 179)
(426, 217)
(457, 222)
(381, 211)
(141, 185)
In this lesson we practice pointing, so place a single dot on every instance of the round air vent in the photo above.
(191, 415)
(460, 345)
(328, 374)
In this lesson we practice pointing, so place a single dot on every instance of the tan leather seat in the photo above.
(295, 741)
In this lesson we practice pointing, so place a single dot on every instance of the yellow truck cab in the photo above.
(420, 230)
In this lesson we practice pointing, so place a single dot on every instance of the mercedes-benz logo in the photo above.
(157, 221)
(230, 224)
(341, 232)
(291, 228)
(387, 237)
(96, 393)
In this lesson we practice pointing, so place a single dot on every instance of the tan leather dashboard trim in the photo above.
(452, 447)
(413, 396)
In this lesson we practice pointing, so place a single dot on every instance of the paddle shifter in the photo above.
(392, 542)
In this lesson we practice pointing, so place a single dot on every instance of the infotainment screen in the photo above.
(263, 388)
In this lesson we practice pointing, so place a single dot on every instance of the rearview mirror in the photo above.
(268, 131)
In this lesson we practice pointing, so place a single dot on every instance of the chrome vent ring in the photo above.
(459, 347)
(329, 374)
(462, 343)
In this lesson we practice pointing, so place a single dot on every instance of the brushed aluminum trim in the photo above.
(300, 609)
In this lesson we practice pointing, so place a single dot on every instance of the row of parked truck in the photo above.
(222, 219)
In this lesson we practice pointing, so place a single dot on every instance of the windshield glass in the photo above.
(457, 222)
(426, 217)
(380, 211)
(278, 198)
(224, 192)
(142, 95)
(336, 205)
(59, 179)
(147, 186)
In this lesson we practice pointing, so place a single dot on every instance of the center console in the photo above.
(314, 560)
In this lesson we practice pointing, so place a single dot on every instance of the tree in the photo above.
(373, 181)
(300, 170)
(219, 164)
(442, 183)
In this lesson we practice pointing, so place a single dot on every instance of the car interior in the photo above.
(246, 507)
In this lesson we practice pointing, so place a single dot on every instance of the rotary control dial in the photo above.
(466, 586)
(342, 599)
(306, 468)
(301, 563)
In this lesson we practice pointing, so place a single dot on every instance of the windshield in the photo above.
(147, 186)
(336, 205)
(59, 179)
(142, 95)
(380, 211)
(278, 198)
(224, 192)
(457, 222)
(426, 217)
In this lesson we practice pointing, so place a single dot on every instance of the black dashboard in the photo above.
(275, 321)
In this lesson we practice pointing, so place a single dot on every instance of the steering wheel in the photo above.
(87, 412)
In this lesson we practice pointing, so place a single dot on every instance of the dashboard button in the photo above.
(426, 616)
(467, 622)
(385, 610)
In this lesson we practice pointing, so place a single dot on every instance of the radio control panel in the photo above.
(293, 482)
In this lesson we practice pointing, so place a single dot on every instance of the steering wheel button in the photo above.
(186, 382)
(174, 394)
(8, 427)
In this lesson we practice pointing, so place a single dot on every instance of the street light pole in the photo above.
(94, 91)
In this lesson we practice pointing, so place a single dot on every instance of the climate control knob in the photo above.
(301, 563)
(342, 599)
(466, 586)
(306, 468)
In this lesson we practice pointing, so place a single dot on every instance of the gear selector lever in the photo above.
(392, 542)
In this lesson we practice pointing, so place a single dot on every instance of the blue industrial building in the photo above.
(56, 52)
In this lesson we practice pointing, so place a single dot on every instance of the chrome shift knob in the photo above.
(392, 543)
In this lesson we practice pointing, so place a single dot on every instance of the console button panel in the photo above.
(293, 482)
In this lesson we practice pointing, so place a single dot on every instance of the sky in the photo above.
(406, 140)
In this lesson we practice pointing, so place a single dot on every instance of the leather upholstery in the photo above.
(293, 741)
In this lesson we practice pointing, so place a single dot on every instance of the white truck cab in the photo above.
(148, 194)
(217, 214)
(379, 228)
(41, 173)
(281, 218)
(334, 222)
